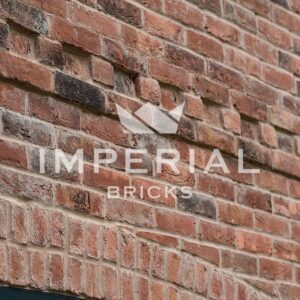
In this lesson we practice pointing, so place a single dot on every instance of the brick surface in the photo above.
(65, 64)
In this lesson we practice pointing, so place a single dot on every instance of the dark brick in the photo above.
(126, 58)
(185, 59)
(281, 2)
(211, 5)
(255, 152)
(186, 129)
(122, 10)
(27, 129)
(4, 35)
(30, 17)
(76, 90)
(124, 83)
(197, 204)
(49, 52)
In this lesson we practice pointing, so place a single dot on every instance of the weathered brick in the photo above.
(78, 36)
(193, 106)
(122, 10)
(25, 15)
(148, 89)
(37, 269)
(20, 232)
(13, 154)
(57, 229)
(204, 45)
(75, 274)
(16, 261)
(273, 269)
(4, 35)
(165, 28)
(82, 92)
(240, 263)
(231, 121)
(268, 135)
(56, 271)
(261, 7)
(197, 204)
(185, 13)
(223, 30)
(38, 219)
(15, 67)
(102, 71)
(49, 52)
(184, 59)
(76, 236)
(170, 74)
(176, 222)
(226, 76)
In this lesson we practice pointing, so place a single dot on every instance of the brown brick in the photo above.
(102, 71)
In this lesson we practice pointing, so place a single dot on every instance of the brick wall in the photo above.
(236, 65)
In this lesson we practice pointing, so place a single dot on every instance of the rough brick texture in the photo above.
(65, 64)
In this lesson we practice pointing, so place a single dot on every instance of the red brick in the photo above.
(261, 7)
(110, 244)
(236, 215)
(15, 67)
(271, 224)
(102, 71)
(274, 34)
(296, 6)
(240, 16)
(216, 138)
(56, 229)
(223, 30)
(273, 269)
(287, 208)
(130, 212)
(193, 106)
(37, 269)
(294, 188)
(159, 260)
(231, 121)
(163, 239)
(173, 267)
(253, 242)
(215, 290)
(56, 272)
(127, 285)
(79, 199)
(279, 78)
(260, 48)
(13, 154)
(176, 222)
(268, 135)
(12, 98)
(144, 257)
(288, 292)
(204, 45)
(170, 74)
(271, 181)
(148, 89)
(185, 13)
(295, 234)
(238, 262)
(245, 63)
(92, 285)
(19, 224)
(216, 233)
(140, 40)
(75, 275)
(212, 91)
(92, 234)
(249, 106)
(110, 281)
(76, 236)
(66, 32)
(289, 63)
(17, 258)
(211, 254)
(285, 162)
(158, 25)
(259, 90)
(56, 7)
(255, 199)
(38, 218)
(127, 246)
(216, 186)
(286, 250)
(226, 76)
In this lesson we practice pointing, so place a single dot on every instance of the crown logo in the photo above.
(149, 119)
